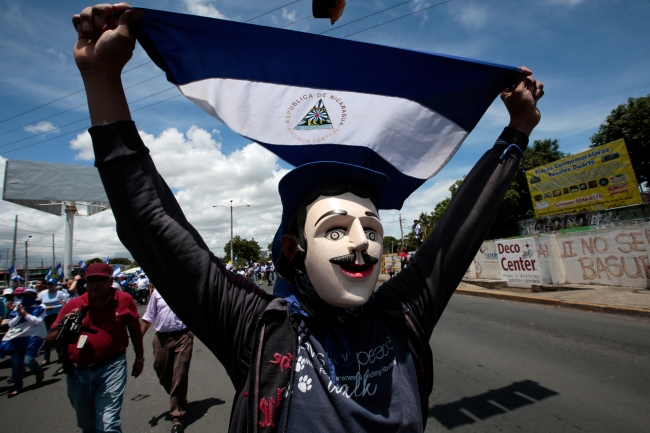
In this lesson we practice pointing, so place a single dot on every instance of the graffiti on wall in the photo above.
(612, 257)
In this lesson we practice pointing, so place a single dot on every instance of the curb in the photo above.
(585, 306)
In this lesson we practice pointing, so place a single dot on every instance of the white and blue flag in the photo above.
(116, 271)
(13, 274)
(311, 98)
(107, 260)
(82, 264)
(49, 273)
(59, 272)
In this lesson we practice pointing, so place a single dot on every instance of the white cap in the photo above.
(8, 292)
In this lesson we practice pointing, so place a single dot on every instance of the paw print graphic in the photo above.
(300, 364)
(304, 383)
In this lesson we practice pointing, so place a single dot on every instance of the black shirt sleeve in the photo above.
(219, 306)
(439, 265)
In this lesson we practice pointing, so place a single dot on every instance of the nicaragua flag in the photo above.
(49, 273)
(311, 98)
(82, 264)
(59, 272)
(12, 272)
(116, 271)
(107, 260)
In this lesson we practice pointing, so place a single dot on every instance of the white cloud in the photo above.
(417, 5)
(56, 53)
(84, 145)
(41, 127)
(471, 15)
(200, 7)
(289, 16)
(202, 176)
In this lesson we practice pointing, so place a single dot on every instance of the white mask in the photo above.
(338, 226)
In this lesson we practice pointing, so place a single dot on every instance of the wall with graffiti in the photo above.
(613, 257)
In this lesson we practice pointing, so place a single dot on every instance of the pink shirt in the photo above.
(158, 312)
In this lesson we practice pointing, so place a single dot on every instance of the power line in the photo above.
(74, 108)
(81, 120)
(302, 19)
(63, 97)
(363, 18)
(123, 72)
(266, 13)
(395, 19)
(83, 129)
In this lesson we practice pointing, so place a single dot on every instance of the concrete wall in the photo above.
(486, 262)
(618, 256)
(614, 257)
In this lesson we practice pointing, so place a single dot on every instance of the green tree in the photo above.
(391, 242)
(429, 220)
(517, 204)
(120, 261)
(243, 249)
(93, 261)
(630, 121)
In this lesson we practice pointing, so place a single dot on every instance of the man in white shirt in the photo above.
(141, 294)
(172, 349)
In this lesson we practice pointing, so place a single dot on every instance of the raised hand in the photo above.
(521, 101)
(104, 43)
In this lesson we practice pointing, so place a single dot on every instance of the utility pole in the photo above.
(26, 271)
(13, 260)
(401, 230)
(232, 257)
(53, 253)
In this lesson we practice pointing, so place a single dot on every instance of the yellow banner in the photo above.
(597, 179)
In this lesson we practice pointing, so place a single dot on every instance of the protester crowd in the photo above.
(255, 272)
(33, 318)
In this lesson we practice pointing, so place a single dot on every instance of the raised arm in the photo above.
(426, 286)
(216, 305)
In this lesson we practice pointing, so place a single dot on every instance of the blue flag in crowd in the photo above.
(13, 274)
(49, 273)
(116, 271)
(311, 98)
(82, 264)
(107, 260)
(59, 272)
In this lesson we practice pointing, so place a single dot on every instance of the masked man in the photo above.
(328, 353)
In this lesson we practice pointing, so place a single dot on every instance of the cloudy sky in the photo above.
(591, 54)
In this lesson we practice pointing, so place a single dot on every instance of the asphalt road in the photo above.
(500, 366)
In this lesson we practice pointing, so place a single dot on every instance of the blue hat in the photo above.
(305, 179)
(51, 281)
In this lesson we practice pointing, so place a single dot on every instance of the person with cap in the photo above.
(326, 352)
(7, 296)
(95, 359)
(52, 300)
(142, 288)
(172, 353)
(24, 338)
(123, 283)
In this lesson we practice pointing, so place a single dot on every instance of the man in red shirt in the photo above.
(96, 356)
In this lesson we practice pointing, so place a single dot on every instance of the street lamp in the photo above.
(27, 260)
(232, 257)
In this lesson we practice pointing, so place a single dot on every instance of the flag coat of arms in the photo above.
(311, 98)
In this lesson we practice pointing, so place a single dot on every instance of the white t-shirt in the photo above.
(142, 283)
